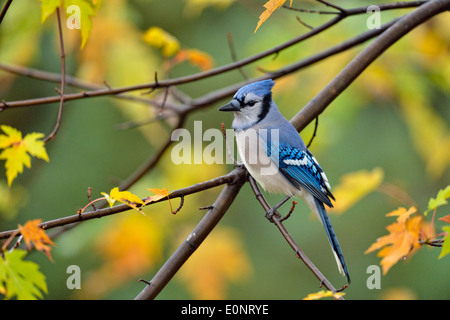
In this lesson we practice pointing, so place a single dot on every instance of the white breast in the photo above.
(252, 151)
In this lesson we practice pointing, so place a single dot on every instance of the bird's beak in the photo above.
(232, 106)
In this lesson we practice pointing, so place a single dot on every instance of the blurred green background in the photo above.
(394, 117)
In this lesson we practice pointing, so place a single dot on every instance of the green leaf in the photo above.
(87, 11)
(446, 245)
(440, 200)
(20, 278)
(48, 7)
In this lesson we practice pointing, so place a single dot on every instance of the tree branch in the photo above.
(52, 135)
(195, 238)
(4, 10)
(75, 82)
(390, 33)
(298, 252)
(217, 95)
(401, 27)
(94, 214)
(172, 82)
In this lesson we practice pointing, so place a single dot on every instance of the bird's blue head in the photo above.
(260, 88)
(251, 103)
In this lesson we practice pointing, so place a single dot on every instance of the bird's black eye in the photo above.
(251, 103)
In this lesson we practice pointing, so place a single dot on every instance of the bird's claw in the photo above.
(271, 212)
(239, 165)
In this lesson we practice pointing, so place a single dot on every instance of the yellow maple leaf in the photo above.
(33, 234)
(354, 186)
(161, 39)
(17, 151)
(270, 6)
(324, 294)
(125, 197)
(402, 240)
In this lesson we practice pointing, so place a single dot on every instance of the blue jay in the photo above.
(266, 140)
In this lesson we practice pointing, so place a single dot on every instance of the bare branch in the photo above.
(52, 135)
(4, 10)
(172, 82)
(298, 252)
(195, 238)
(303, 23)
(363, 10)
(234, 56)
(328, 4)
(99, 213)
(217, 95)
(401, 27)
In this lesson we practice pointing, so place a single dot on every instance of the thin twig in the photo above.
(294, 203)
(309, 10)
(304, 23)
(166, 95)
(99, 213)
(298, 252)
(206, 208)
(432, 243)
(180, 206)
(362, 10)
(177, 81)
(89, 198)
(316, 125)
(234, 56)
(329, 4)
(4, 105)
(52, 135)
(75, 82)
(5, 8)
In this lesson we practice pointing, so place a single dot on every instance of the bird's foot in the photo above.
(271, 212)
(239, 165)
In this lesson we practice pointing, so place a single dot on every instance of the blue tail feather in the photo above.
(332, 239)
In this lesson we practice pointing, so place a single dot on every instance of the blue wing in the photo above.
(301, 169)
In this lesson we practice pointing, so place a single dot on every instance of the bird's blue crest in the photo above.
(260, 88)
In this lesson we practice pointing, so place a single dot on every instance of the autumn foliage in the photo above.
(385, 144)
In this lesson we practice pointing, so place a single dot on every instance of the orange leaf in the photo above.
(197, 58)
(270, 6)
(33, 233)
(403, 238)
(402, 214)
(446, 218)
(159, 194)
